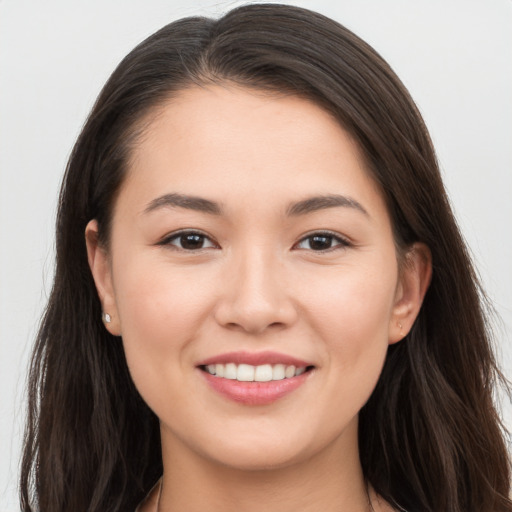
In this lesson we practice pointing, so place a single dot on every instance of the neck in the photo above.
(331, 481)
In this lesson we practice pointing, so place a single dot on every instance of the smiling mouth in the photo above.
(250, 373)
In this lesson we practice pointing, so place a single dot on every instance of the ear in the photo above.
(414, 280)
(101, 268)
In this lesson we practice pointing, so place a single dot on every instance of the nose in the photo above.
(254, 295)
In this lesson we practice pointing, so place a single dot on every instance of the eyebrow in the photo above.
(184, 201)
(308, 205)
(313, 204)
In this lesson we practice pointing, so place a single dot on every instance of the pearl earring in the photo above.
(107, 318)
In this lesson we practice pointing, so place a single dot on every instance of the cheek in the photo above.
(350, 312)
(353, 303)
(155, 297)
(161, 313)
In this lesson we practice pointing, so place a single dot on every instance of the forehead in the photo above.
(228, 142)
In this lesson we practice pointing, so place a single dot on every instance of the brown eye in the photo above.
(322, 242)
(189, 241)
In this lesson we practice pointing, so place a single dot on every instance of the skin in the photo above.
(256, 284)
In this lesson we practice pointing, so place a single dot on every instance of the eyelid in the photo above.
(167, 239)
(344, 242)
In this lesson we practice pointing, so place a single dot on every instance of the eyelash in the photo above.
(167, 241)
(342, 243)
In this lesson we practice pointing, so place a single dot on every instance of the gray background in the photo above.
(455, 56)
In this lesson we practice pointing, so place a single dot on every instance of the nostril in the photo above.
(253, 310)
(277, 324)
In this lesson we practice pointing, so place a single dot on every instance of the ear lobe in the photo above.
(99, 263)
(414, 280)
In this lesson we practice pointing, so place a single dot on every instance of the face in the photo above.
(253, 277)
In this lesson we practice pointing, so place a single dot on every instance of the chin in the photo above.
(271, 449)
(257, 458)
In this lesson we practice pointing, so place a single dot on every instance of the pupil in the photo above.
(192, 241)
(319, 243)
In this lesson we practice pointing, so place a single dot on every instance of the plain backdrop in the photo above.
(455, 56)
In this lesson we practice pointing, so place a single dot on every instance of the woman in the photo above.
(262, 300)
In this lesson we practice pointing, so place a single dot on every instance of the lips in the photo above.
(254, 378)
(255, 359)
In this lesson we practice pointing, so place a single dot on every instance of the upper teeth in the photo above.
(249, 373)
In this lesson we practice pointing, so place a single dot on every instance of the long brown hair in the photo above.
(430, 438)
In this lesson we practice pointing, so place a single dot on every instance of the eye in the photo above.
(322, 241)
(189, 241)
